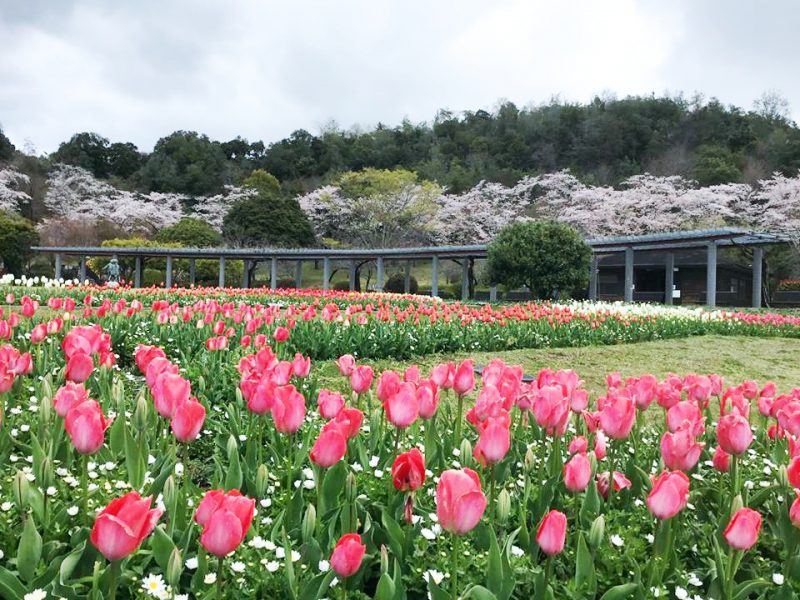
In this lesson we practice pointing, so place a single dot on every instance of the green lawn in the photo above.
(735, 358)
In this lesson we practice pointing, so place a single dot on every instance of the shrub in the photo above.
(396, 284)
(548, 257)
(341, 286)
(17, 235)
(191, 233)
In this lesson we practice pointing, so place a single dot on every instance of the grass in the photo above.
(734, 358)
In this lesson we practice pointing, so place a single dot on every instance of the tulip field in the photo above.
(185, 444)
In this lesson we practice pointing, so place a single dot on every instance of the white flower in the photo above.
(373, 462)
(210, 578)
(428, 534)
(437, 576)
(38, 594)
(777, 578)
(191, 563)
(273, 566)
(617, 541)
(154, 585)
(694, 580)
(182, 597)
(295, 556)
(237, 566)
(6, 506)
(324, 566)
(517, 551)
(72, 511)
(680, 593)
(378, 473)
(280, 552)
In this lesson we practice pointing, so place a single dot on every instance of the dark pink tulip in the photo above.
(361, 379)
(721, 460)
(743, 529)
(577, 473)
(459, 500)
(442, 375)
(734, 434)
(301, 365)
(669, 494)
(79, 367)
(349, 420)
(169, 391)
(387, 386)
(793, 471)
(281, 334)
(494, 440)
(402, 407)
(620, 483)
(225, 519)
(329, 403)
(464, 378)
(330, 447)
(145, 355)
(120, 527)
(86, 425)
(794, 511)
(408, 471)
(347, 555)
(288, 409)
(679, 450)
(617, 415)
(262, 397)
(552, 533)
(187, 421)
(68, 396)
(428, 398)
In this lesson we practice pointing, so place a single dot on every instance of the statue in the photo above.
(112, 271)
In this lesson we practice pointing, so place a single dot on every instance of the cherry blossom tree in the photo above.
(11, 193)
(212, 209)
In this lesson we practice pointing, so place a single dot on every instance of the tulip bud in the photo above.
(783, 477)
(375, 419)
(350, 488)
(597, 531)
(46, 410)
(309, 523)
(118, 392)
(45, 473)
(262, 480)
(232, 447)
(593, 462)
(737, 504)
(201, 386)
(21, 488)
(47, 387)
(465, 457)
(530, 460)
(239, 396)
(503, 505)
(174, 568)
(384, 559)
(140, 413)
(169, 492)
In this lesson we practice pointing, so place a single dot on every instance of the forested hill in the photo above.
(601, 142)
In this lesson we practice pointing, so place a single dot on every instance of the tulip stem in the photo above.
(454, 567)
(220, 574)
(115, 570)
(735, 559)
(85, 485)
(548, 571)
(460, 410)
(289, 467)
(734, 476)
(491, 496)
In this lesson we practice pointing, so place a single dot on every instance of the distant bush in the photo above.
(341, 286)
(17, 235)
(397, 282)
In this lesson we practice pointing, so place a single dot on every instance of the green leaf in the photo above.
(69, 563)
(478, 592)
(134, 461)
(495, 574)
(333, 484)
(30, 550)
(620, 592)
(318, 586)
(584, 568)
(234, 477)
(10, 586)
(744, 590)
(162, 546)
(394, 533)
(436, 592)
(385, 589)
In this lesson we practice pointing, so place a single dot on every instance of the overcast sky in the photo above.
(136, 70)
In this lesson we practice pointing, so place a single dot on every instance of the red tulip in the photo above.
(86, 426)
(361, 379)
(494, 440)
(402, 408)
(79, 367)
(734, 434)
(329, 448)
(617, 415)
(349, 420)
(552, 533)
(459, 500)
(464, 378)
(347, 555)
(721, 460)
(170, 390)
(743, 529)
(793, 471)
(329, 403)
(620, 483)
(188, 419)
(225, 519)
(408, 471)
(428, 398)
(145, 355)
(577, 473)
(288, 409)
(68, 396)
(122, 525)
(346, 364)
(679, 450)
(669, 495)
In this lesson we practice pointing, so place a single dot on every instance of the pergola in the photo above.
(672, 242)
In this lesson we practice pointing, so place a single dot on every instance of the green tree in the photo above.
(6, 147)
(549, 258)
(124, 159)
(715, 165)
(191, 233)
(267, 218)
(17, 235)
(87, 150)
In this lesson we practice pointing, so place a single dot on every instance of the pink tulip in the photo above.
(411, 374)
(552, 533)
(330, 447)
(464, 378)
(428, 398)
(120, 527)
(156, 367)
(68, 396)
(387, 386)
(169, 391)
(577, 473)
(685, 411)
(793, 471)
(494, 441)
(346, 364)
(86, 425)
(442, 375)
(599, 445)
(578, 445)
(281, 334)
(282, 373)
(187, 420)
(408, 471)
(361, 379)
(329, 403)
(794, 511)
(459, 500)
(262, 397)
(734, 434)
(743, 529)
(288, 409)
(669, 494)
(679, 450)
(145, 355)
(349, 420)
(721, 460)
(643, 390)
(347, 555)
(39, 333)
(617, 415)
(551, 409)
(225, 519)
(301, 365)
(620, 483)
(79, 367)
(402, 408)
